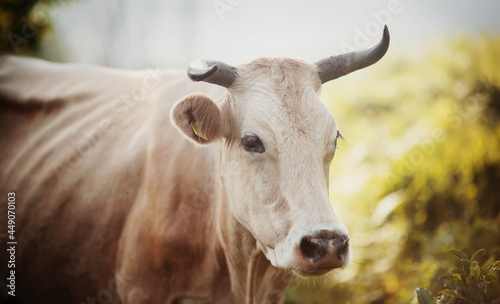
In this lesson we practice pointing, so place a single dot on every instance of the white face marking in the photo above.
(276, 170)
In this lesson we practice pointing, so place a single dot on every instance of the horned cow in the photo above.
(144, 187)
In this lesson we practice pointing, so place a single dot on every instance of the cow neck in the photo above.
(253, 279)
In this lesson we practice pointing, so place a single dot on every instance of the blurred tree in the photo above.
(23, 23)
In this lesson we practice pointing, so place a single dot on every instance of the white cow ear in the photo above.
(198, 117)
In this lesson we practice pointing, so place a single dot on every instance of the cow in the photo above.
(146, 187)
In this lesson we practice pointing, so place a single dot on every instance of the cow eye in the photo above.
(252, 143)
(339, 135)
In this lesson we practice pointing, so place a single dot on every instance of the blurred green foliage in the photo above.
(419, 173)
(23, 23)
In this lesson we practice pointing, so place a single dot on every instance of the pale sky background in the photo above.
(152, 33)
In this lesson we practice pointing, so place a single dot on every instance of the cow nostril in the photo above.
(342, 246)
(325, 244)
(312, 248)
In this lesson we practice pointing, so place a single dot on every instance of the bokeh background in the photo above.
(419, 171)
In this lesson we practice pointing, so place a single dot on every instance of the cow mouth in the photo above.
(312, 272)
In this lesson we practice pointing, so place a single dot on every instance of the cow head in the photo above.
(278, 142)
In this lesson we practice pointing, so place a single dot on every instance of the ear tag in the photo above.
(197, 131)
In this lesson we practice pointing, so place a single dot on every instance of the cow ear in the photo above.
(198, 117)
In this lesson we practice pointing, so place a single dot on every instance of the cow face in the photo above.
(280, 158)
(278, 143)
(279, 140)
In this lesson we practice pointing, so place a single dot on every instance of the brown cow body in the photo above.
(104, 206)
(144, 187)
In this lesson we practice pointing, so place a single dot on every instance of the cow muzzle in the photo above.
(320, 252)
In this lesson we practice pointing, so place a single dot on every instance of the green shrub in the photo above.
(470, 284)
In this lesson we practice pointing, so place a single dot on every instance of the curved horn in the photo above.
(336, 66)
(212, 71)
